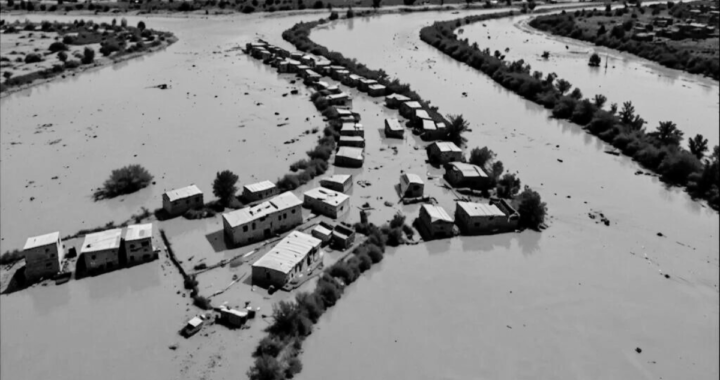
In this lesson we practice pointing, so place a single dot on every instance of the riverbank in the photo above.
(49, 53)
(646, 32)
(659, 150)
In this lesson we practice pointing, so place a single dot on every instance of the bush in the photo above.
(333, 16)
(374, 252)
(481, 156)
(285, 315)
(318, 5)
(294, 366)
(202, 302)
(33, 58)
(57, 46)
(328, 291)
(269, 346)
(71, 64)
(248, 9)
(126, 180)
(88, 56)
(342, 271)
(531, 208)
(310, 305)
(11, 256)
(108, 48)
(266, 368)
(224, 186)
(350, 13)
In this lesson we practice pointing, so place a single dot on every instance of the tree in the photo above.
(141, 25)
(224, 186)
(594, 60)
(698, 146)
(350, 13)
(576, 94)
(456, 127)
(123, 22)
(563, 86)
(126, 180)
(481, 156)
(266, 368)
(531, 208)
(668, 133)
(627, 114)
(376, 4)
(497, 170)
(114, 22)
(62, 56)
(599, 100)
(613, 108)
(508, 186)
(88, 56)
(601, 31)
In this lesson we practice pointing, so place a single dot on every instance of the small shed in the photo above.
(364, 84)
(349, 157)
(394, 100)
(355, 141)
(460, 174)
(326, 202)
(260, 190)
(339, 182)
(444, 152)
(340, 74)
(193, 326)
(352, 129)
(411, 186)
(43, 256)
(178, 201)
(394, 129)
(232, 317)
(434, 222)
(376, 90)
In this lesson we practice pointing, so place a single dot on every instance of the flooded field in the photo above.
(588, 294)
(653, 89)
(573, 301)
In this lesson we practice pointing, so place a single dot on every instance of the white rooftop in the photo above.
(138, 231)
(42, 240)
(183, 192)
(393, 124)
(480, 209)
(244, 215)
(260, 186)
(411, 178)
(327, 196)
(341, 95)
(100, 241)
(376, 87)
(446, 146)
(429, 125)
(468, 170)
(351, 126)
(437, 213)
(398, 97)
(350, 152)
(288, 252)
(338, 178)
(422, 114)
(413, 104)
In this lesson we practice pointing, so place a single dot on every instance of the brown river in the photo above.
(572, 302)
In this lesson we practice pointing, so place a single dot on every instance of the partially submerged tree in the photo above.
(456, 127)
(481, 156)
(698, 146)
(224, 186)
(126, 180)
(594, 60)
(531, 208)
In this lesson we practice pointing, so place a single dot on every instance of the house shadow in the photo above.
(17, 282)
(218, 241)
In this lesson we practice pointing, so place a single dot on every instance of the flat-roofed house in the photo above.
(349, 157)
(326, 202)
(339, 100)
(322, 231)
(354, 141)
(352, 129)
(342, 237)
(460, 174)
(481, 218)
(178, 201)
(420, 116)
(341, 183)
(102, 250)
(261, 190)
(407, 109)
(435, 222)
(310, 75)
(138, 243)
(364, 84)
(43, 256)
(394, 129)
(352, 80)
(338, 75)
(411, 186)
(432, 130)
(395, 100)
(444, 152)
(252, 46)
(288, 260)
(344, 114)
(262, 221)
(376, 90)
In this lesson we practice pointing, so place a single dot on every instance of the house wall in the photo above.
(102, 260)
(348, 162)
(352, 143)
(180, 206)
(139, 250)
(258, 195)
(436, 230)
(43, 261)
(444, 157)
(376, 91)
(412, 190)
(263, 228)
(478, 225)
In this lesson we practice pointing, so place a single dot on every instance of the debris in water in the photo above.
(638, 350)
(660, 234)
(559, 160)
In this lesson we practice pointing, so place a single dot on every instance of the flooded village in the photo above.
(321, 194)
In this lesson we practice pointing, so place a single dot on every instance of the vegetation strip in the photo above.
(658, 150)
(680, 52)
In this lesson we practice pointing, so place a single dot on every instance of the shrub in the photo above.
(531, 208)
(481, 156)
(342, 271)
(108, 48)
(202, 302)
(318, 5)
(71, 64)
(248, 9)
(375, 253)
(33, 58)
(266, 368)
(57, 46)
(126, 180)
(328, 291)
(11, 256)
(310, 305)
(88, 56)
(285, 316)
(350, 13)
(293, 367)
(333, 16)
(270, 346)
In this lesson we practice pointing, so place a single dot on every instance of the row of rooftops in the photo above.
(472, 209)
(98, 241)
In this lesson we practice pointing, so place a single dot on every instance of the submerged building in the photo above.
(101, 250)
(435, 222)
(138, 243)
(288, 260)
(179, 201)
(257, 191)
(326, 202)
(411, 186)
(43, 256)
(264, 220)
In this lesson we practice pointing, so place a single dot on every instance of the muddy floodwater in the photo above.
(574, 301)
(658, 93)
